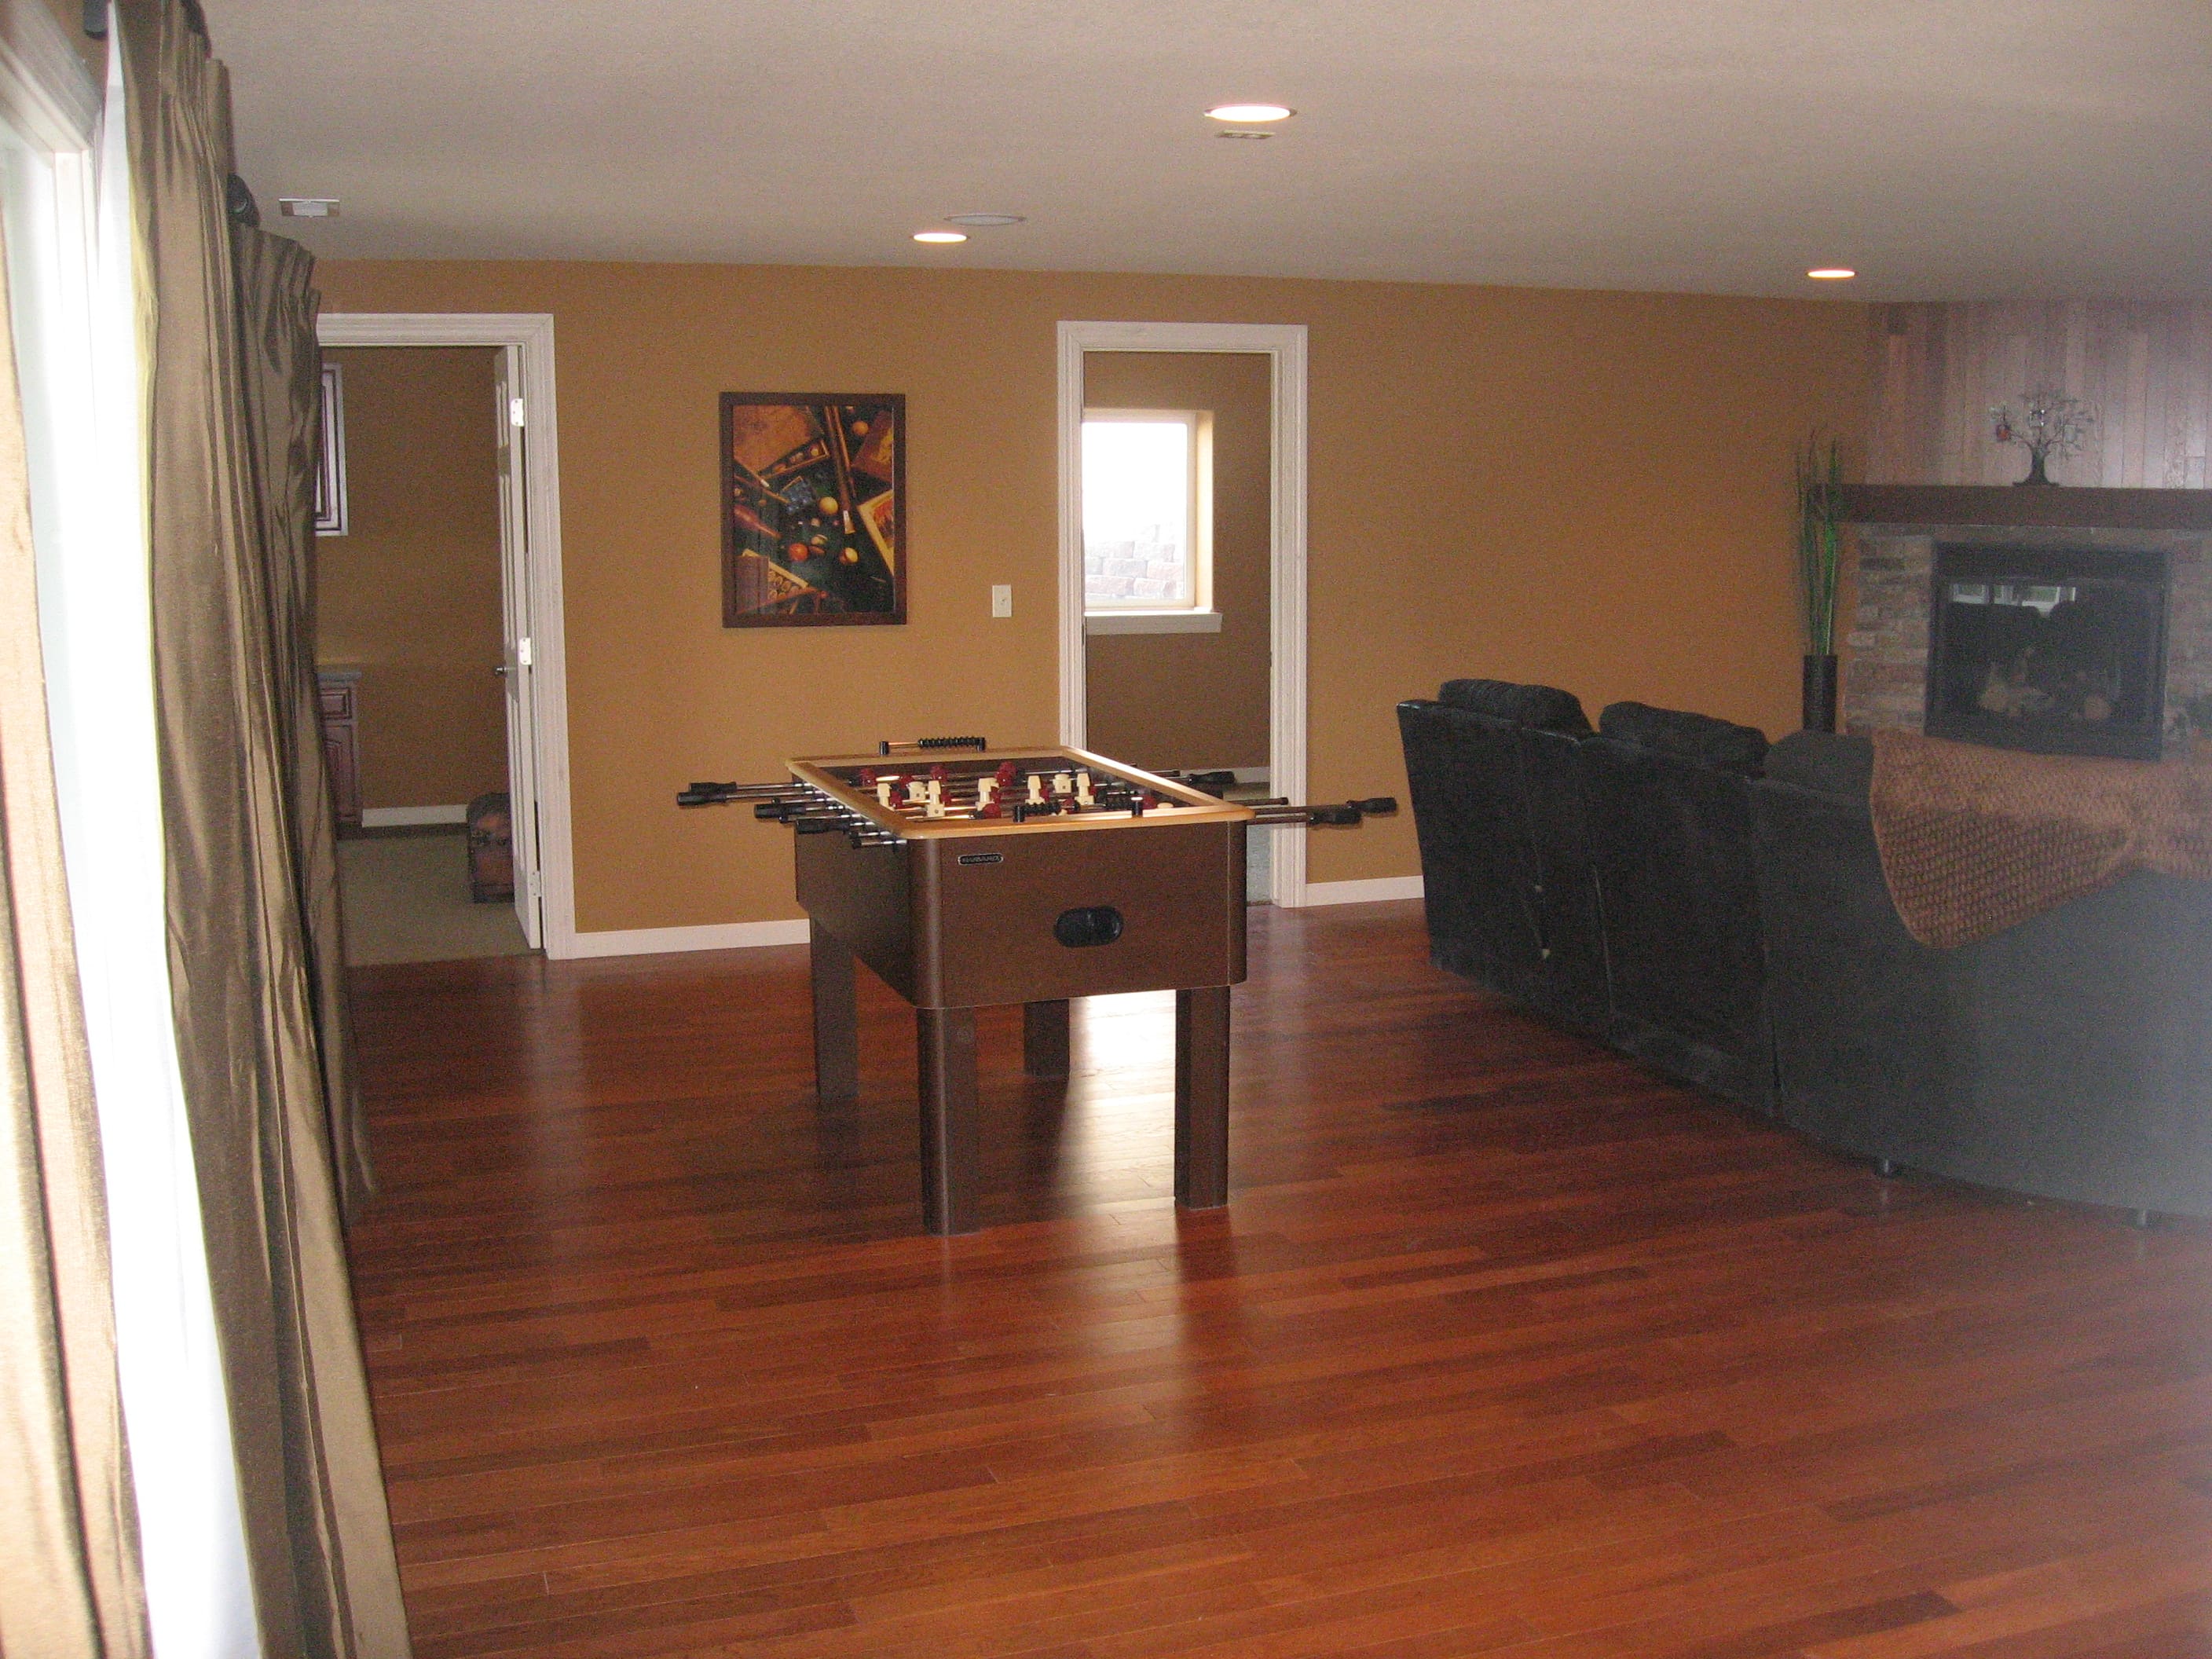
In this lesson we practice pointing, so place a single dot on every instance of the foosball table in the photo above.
(967, 877)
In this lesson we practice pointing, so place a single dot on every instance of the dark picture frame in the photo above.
(330, 512)
(813, 508)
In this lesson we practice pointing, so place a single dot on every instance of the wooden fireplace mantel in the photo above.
(2056, 506)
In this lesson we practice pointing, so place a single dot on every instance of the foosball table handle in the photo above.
(1276, 815)
(887, 747)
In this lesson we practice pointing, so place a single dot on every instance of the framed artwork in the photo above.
(330, 466)
(813, 508)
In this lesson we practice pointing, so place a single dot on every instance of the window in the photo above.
(72, 312)
(1147, 520)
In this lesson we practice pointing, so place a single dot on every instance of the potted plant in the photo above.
(1820, 566)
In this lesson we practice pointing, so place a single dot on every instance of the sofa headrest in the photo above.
(1544, 707)
(1827, 761)
(1719, 743)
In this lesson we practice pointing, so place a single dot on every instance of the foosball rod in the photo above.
(715, 795)
(930, 745)
(1273, 817)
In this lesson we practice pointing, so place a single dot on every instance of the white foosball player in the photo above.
(1036, 789)
(1083, 790)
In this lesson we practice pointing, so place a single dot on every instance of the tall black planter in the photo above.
(1819, 694)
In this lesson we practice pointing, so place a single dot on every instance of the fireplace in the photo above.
(2058, 650)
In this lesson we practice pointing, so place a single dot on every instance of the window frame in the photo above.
(1197, 614)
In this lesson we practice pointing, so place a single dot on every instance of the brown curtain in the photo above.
(283, 401)
(228, 348)
(68, 1571)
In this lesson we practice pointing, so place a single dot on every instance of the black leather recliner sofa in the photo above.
(1668, 806)
(1718, 909)
(2069, 1056)
(1603, 877)
(1495, 773)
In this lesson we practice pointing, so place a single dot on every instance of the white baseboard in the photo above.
(1363, 892)
(748, 935)
(715, 936)
(398, 817)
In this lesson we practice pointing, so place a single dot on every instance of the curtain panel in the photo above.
(69, 1581)
(227, 345)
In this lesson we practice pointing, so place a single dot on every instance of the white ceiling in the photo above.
(1946, 149)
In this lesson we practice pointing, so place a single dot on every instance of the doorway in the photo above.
(409, 638)
(440, 636)
(1182, 618)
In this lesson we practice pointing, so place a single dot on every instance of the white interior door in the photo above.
(511, 415)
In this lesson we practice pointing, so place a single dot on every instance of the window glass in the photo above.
(1140, 537)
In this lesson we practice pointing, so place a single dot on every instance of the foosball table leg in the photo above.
(1201, 1111)
(836, 1016)
(1045, 1038)
(946, 1040)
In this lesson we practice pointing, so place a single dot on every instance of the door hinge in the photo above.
(537, 887)
(513, 412)
(522, 652)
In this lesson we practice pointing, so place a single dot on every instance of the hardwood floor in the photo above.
(1502, 1346)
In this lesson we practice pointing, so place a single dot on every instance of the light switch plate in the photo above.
(1002, 600)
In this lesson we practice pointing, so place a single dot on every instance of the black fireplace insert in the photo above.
(2058, 651)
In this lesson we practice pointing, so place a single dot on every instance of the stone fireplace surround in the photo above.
(1886, 676)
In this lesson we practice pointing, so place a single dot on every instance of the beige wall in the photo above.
(1195, 700)
(410, 594)
(1589, 489)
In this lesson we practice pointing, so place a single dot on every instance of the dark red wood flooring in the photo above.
(1504, 1346)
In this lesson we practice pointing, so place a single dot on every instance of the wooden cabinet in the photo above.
(340, 690)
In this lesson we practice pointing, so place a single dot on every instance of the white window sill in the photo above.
(1151, 622)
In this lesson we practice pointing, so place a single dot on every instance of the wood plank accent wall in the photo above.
(2147, 368)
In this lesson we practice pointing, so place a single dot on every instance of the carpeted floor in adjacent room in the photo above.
(407, 900)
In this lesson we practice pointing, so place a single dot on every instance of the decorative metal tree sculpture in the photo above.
(2051, 423)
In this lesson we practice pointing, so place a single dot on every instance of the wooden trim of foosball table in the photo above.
(1191, 806)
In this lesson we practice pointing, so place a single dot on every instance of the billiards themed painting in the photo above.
(813, 508)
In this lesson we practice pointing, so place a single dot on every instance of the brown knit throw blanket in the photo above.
(1974, 839)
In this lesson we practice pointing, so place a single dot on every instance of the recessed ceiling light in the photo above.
(1242, 132)
(1831, 273)
(983, 221)
(308, 207)
(940, 236)
(1250, 112)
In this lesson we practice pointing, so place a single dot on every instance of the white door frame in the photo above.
(528, 337)
(1285, 344)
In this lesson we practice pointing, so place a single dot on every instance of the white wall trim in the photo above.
(46, 94)
(531, 334)
(754, 935)
(402, 817)
(1363, 892)
(716, 936)
(1285, 344)
(1152, 622)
